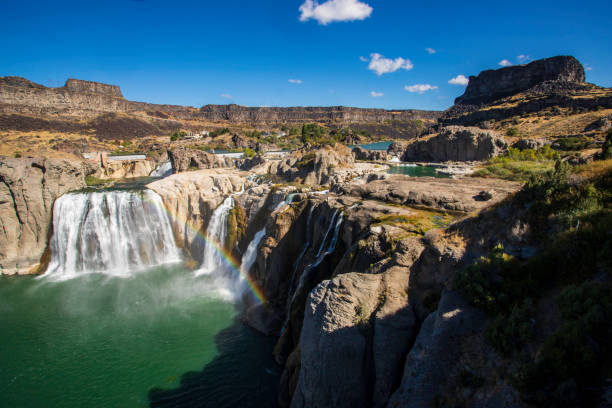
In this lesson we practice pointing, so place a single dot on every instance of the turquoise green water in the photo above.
(375, 146)
(417, 171)
(160, 338)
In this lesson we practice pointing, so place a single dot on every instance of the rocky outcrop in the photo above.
(28, 189)
(249, 163)
(126, 169)
(371, 155)
(183, 159)
(356, 331)
(438, 364)
(491, 85)
(436, 193)
(456, 143)
(190, 198)
(313, 166)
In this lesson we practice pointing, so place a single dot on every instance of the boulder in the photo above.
(28, 189)
(524, 144)
(491, 85)
(456, 143)
(183, 159)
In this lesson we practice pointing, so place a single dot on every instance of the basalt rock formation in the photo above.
(491, 85)
(549, 84)
(334, 114)
(456, 143)
(28, 189)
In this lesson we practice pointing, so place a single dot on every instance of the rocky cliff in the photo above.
(491, 85)
(28, 189)
(86, 98)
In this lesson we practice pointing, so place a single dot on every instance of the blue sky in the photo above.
(245, 52)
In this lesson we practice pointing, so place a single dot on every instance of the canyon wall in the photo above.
(86, 99)
(332, 114)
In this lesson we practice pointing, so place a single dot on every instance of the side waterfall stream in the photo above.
(118, 321)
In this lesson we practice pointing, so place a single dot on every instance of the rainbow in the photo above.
(232, 264)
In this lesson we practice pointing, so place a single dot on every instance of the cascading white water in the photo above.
(113, 232)
(216, 234)
(163, 170)
(250, 255)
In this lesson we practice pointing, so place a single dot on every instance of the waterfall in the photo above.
(163, 170)
(113, 232)
(288, 199)
(250, 255)
(216, 234)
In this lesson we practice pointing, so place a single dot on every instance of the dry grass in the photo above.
(593, 169)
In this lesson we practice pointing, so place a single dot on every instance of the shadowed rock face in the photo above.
(491, 85)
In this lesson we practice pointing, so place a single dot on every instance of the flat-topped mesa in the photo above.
(80, 86)
(494, 84)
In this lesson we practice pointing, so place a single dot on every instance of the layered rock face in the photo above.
(85, 98)
(491, 85)
(28, 189)
(341, 114)
(183, 159)
(456, 143)
(80, 86)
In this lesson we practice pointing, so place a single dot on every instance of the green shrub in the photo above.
(606, 149)
(94, 181)
(519, 165)
(219, 132)
(512, 132)
(573, 143)
(248, 152)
